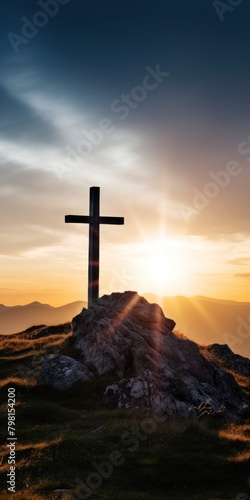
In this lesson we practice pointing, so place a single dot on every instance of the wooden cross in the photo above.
(94, 220)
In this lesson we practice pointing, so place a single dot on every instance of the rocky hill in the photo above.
(155, 369)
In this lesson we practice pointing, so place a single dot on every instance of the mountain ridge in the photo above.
(15, 319)
(209, 321)
(203, 319)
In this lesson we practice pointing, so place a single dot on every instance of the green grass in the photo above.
(60, 436)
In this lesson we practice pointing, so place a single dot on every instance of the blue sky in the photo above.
(60, 81)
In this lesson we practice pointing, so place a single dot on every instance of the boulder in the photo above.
(62, 372)
(156, 370)
(224, 356)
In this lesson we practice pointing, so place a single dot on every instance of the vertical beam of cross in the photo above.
(94, 245)
(94, 220)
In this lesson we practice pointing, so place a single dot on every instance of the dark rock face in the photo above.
(61, 372)
(122, 333)
(116, 334)
(222, 354)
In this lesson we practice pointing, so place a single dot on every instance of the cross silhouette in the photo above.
(94, 220)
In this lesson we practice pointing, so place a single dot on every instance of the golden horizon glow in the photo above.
(158, 264)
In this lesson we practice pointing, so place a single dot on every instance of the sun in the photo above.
(164, 266)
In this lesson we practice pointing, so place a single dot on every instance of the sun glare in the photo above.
(164, 267)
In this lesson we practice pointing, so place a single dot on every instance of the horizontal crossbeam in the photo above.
(86, 219)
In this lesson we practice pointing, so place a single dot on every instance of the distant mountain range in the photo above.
(206, 320)
(202, 319)
(17, 318)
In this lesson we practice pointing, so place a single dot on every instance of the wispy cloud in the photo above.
(243, 261)
(242, 275)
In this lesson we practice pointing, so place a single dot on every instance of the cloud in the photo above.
(31, 207)
(20, 123)
(243, 261)
(242, 275)
(65, 80)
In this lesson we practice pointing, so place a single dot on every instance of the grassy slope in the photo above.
(60, 435)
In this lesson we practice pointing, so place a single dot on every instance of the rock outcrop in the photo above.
(61, 372)
(156, 370)
(223, 355)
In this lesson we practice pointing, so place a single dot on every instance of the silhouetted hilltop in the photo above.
(80, 423)
(156, 370)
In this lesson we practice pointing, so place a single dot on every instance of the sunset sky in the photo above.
(164, 85)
